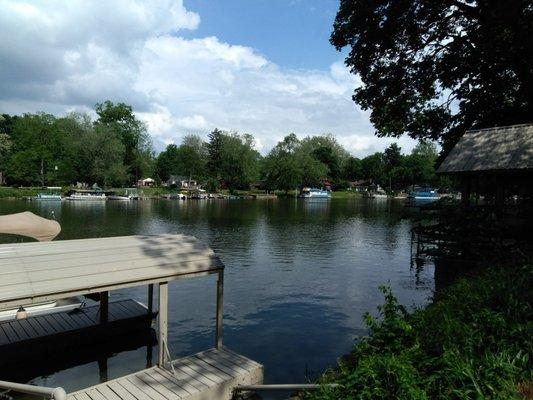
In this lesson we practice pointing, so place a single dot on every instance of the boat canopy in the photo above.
(30, 225)
(41, 271)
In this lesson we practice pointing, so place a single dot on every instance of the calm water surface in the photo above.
(298, 277)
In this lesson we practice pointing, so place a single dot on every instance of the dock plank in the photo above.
(209, 375)
(41, 327)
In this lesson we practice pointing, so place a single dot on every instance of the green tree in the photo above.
(433, 69)
(352, 169)
(214, 153)
(291, 164)
(138, 153)
(281, 169)
(373, 167)
(239, 161)
(166, 161)
(392, 158)
(420, 164)
(5, 144)
(36, 150)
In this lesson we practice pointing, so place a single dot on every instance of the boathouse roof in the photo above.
(35, 272)
(493, 149)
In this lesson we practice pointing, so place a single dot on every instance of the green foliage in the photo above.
(138, 153)
(291, 164)
(434, 69)
(472, 341)
(239, 161)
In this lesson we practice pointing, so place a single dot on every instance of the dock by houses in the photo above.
(33, 273)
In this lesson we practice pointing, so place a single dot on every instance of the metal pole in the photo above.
(57, 393)
(150, 299)
(285, 386)
(163, 322)
(104, 307)
(220, 297)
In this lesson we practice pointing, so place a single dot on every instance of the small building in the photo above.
(496, 163)
(360, 185)
(326, 184)
(146, 182)
(189, 185)
(182, 183)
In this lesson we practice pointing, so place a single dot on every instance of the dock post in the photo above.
(163, 322)
(104, 307)
(150, 299)
(220, 296)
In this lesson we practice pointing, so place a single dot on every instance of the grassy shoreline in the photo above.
(473, 341)
(7, 192)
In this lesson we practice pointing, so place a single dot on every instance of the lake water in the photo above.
(298, 277)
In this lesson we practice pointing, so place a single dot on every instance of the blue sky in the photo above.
(291, 33)
(263, 67)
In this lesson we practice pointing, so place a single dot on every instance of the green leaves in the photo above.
(474, 341)
(433, 69)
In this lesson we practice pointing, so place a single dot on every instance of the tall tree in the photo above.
(138, 151)
(433, 69)
(352, 169)
(166, 162)
(392, 158)
(239, 164)
(214, 151)
(372, 167)
(36, 149)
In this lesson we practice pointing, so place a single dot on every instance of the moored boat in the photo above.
(87, 196)
(314, 193)
(48, 197)
(424, 194)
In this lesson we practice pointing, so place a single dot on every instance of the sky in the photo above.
(264, 67)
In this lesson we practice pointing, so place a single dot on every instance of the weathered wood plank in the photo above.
(131, 388)
(41, 326)
(203, 376)
(32, 272)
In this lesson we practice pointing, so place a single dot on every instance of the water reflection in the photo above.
(299, 275)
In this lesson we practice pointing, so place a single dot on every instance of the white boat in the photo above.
(47, 197)
(424, 194)
(117, 197)
(48, 307)
(87, 196)
(313, 193)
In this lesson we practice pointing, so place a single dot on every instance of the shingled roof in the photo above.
(500, 148)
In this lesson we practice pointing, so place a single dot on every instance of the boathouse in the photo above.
(496, 163)
(33, 273)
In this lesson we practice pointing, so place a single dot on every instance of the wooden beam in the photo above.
(104, 307)
(220, 298)
(163, 323)
(151, 299)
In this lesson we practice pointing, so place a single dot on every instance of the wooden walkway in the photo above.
(35, 328)
(209, 375)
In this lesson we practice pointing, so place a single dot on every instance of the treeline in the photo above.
(40, 149)
(115, 150)
(230, 159)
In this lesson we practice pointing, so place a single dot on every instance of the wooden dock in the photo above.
(63, 327)
(32, 273)
(208, 375)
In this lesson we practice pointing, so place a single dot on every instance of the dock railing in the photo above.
(57, 393)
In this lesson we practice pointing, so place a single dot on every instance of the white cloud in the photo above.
(57, 56)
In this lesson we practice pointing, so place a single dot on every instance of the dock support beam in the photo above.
(220, 297)
(163, 322)
(150, 299)
(104, 307)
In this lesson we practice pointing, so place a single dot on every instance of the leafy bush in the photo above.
(472, 342)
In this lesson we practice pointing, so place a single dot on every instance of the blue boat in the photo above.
(424, 194)
(48, 197)
(313, 193)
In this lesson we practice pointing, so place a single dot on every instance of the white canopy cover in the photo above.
(30, 225)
